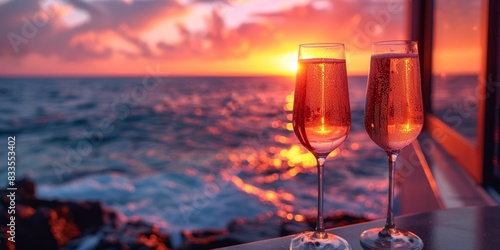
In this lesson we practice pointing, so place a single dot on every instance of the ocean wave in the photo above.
(191, 153)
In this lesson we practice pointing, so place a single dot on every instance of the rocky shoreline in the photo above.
(55, 224)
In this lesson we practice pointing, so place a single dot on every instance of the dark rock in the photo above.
(131, 235)
(248, 230)
(238, 231)
(34, 229)
(54, 224)
(206, 239)
(26, 189)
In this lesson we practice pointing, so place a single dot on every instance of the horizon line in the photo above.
(183, 75)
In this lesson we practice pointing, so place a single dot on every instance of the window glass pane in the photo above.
(456, 63)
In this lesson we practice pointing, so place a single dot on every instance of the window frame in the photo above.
(478, 161)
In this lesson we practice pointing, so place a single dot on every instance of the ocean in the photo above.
(185, 152)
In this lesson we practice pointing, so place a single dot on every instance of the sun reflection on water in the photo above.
(278, 160)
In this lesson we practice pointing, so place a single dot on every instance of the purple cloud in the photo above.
(30, 29)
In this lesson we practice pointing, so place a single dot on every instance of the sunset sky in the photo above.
(188, 37)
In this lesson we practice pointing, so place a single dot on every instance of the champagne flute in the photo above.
(321, 121)
(394, 117)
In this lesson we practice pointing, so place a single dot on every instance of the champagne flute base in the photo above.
(307, 240)
(374, 239)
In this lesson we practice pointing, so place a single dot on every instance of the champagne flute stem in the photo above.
(389, 224)
(320, 226)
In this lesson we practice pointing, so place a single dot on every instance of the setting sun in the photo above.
(287, 63)
(292, 61)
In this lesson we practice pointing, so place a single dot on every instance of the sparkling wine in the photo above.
(394, 114)
(322, 117)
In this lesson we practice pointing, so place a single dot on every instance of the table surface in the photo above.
(458, 228)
